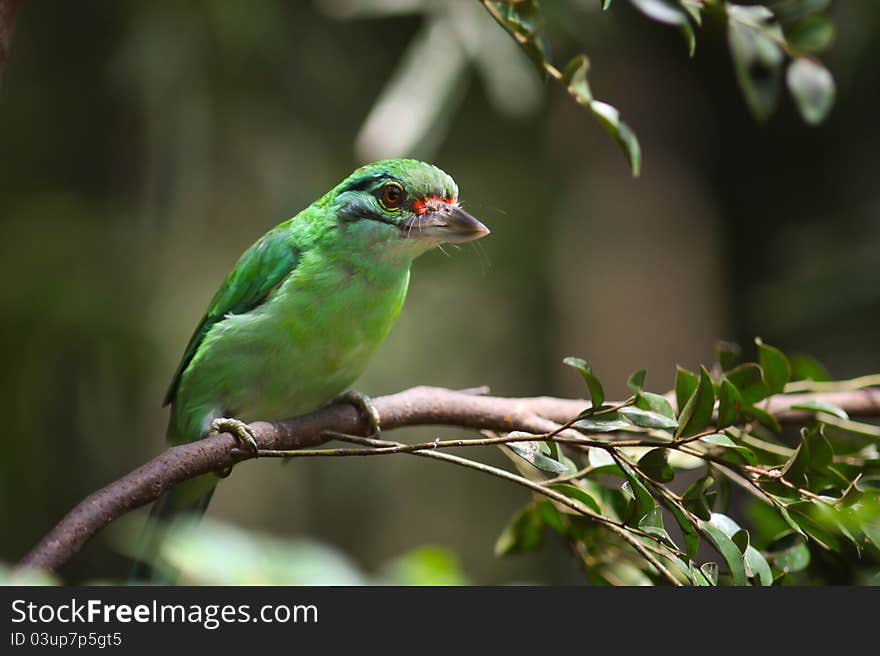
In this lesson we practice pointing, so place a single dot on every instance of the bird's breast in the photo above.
(314, 338)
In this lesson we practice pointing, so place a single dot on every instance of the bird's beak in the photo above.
(448, 224)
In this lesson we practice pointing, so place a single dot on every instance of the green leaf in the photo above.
(575, 79)
(597, 394)
(728, 355)
(569, 464)
(693, 8)
(853, 429)
(821, 452)
(524, 16)
(729, 402)
(812, 34)
(526, 19)
(662, 11)
(696, 498)
(718, 439)
(765, 520)
(796, 466)
(749, 380)
(783, 512)
(733, 452)
(602, 462)
(728, 551)
(636, 381)
(685, 384)
(755, 563)
(812, 88)
(655, 465)
(726, 524)
(677, 563)
(682, 460)
(554, 450)
(536, 52)
(672, 13)
(652, 523)
(609, 117)
(522, 534)
(867, 515)
(774, 364)
(780, 493)
(813, 517)
(752, 33)
(690, 38)
(697, 412)
(710, 573)
(605, 423)
(531, 453)
(820, 406)
(647, 419)
(655, 403)
(813, 454)
(757, 566)
(653, 518)
(578, 494)
(688, 531)
(763, 417)
(550, 515)
(806, 367)
(768, 450)
(789, 553)
(641, 500)
(790, 11)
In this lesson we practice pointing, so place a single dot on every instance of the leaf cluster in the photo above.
(765, 40)
(658, 471)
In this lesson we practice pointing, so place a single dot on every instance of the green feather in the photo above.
(257, 274)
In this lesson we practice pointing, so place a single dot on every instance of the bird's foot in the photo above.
(364, 405)
(238, 428)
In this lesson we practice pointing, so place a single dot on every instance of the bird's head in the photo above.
(404, 203)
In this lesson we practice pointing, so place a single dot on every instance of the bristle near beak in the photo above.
(446, 224)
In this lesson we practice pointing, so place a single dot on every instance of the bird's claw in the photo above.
(239, 429)
(365, 407)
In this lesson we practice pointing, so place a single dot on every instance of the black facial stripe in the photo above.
(356, 212)
(362, 184)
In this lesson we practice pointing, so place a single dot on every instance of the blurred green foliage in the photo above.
(144, 145)
(212, 552)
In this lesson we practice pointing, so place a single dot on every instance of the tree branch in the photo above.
(419, 406)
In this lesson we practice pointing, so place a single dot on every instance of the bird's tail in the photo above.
(188, 500)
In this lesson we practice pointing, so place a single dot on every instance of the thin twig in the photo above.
(647, 555)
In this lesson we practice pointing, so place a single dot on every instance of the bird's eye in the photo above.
(392, 195)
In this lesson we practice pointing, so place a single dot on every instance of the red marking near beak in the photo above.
(422, 206)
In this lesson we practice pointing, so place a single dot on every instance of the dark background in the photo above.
(145, 145)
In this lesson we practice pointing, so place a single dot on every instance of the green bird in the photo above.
(297, 320)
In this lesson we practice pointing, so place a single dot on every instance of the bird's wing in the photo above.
(257, 273)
